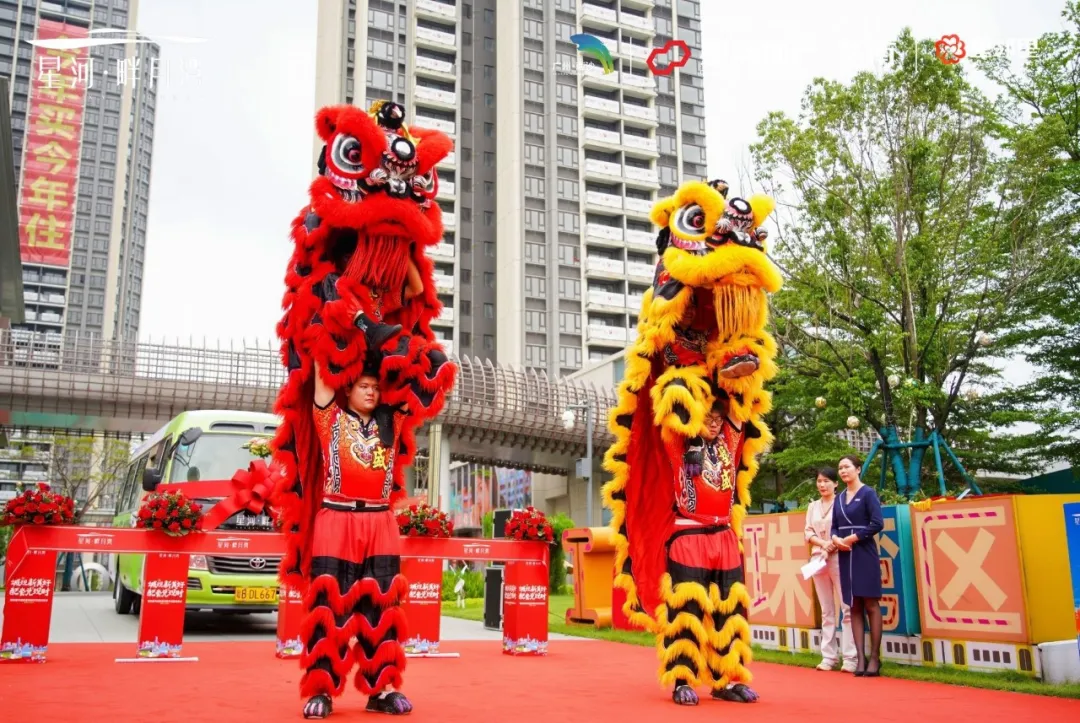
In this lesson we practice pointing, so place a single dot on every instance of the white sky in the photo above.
(232, 149)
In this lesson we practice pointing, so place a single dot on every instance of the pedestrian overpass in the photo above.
(496, 415)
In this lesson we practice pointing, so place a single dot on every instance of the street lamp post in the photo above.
(585, 466)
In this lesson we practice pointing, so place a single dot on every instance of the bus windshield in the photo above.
(211, 457)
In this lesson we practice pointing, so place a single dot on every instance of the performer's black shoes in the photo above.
(737, 693)
(376, 334)
(318, 706)
(391, 703)
(684, 695)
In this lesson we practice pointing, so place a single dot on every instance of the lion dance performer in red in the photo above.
(688, 430)
(364, 371)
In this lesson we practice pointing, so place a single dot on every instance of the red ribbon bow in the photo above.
(252, 489)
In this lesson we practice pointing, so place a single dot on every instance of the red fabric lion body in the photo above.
(371, 216)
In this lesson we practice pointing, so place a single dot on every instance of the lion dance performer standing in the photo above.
(356, 332)
(688, 430)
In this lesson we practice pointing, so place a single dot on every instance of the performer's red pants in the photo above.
(355, 592)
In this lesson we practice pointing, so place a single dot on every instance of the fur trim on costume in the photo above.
(658, 401)
(317, 325)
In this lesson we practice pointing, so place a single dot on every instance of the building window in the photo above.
(489, 44)
(489, 279)
(489, 311)
(489, 342)
(489, 129)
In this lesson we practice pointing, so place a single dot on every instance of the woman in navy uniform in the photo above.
(856, 522)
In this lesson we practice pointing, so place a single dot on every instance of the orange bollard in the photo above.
(592, 550)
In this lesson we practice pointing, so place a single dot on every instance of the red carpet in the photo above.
(578, 681)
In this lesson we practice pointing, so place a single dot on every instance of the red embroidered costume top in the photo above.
(706, 498)
(358, 465)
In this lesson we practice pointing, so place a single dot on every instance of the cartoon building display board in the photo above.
(1044, 552)
(1072, 536)
(899, 593)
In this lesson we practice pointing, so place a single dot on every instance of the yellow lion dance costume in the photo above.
(688, 431)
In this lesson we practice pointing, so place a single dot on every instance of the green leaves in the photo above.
(912, 231)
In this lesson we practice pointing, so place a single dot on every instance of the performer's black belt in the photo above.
(355, 506)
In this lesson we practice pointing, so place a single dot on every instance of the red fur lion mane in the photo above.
(324, 291)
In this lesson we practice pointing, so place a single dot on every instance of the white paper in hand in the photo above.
(813, 567)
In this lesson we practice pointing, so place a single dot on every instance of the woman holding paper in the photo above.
(856, 522)
(825, 568)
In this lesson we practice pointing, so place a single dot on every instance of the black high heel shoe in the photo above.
(860, 667)
(876, 672)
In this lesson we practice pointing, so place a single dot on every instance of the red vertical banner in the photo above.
(59, 78)
(423, 607)
(164, 598)
(525, 608)
(290, 613)
(29, 579)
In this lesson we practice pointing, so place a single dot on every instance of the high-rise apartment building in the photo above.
(548, 246)
(83, 127)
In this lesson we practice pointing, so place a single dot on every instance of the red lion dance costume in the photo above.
(359, 300)
(688, 430)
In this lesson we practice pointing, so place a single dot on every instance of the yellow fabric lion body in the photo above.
(711, 250)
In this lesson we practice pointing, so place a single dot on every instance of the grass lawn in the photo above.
(1015, 682)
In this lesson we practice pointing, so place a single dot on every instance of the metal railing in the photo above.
(82, 374)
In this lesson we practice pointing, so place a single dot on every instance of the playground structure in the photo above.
(973, 583)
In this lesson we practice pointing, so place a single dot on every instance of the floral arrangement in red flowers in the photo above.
(529, 524)
(424, 521)
(38, 506)
(171, 512)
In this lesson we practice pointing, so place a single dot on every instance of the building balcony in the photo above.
(641, 175)
(600, 231)
(444, 282)
(435, 38)
(638, 270)
(446, 316)
(605, 16)
(639, 145)
(448, 189)
(607, 200)
(596, 73)
(603, 168)
(433, 65)
(639, 4)
(599, 135)
(634, 50)
(633, 301)
(424, 121)
(643, 239)
(55, 299)
(638, 205)
(441, 250)
(640, 112)
(601, 265)
(433, 9)
(449, 219)
(606, 299)
(447, 345)
(598, 333)
(637, 22)
(646, 82)
(449, 162)
(605, 106)
(435, 95)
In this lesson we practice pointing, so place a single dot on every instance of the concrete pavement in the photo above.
(89, 617)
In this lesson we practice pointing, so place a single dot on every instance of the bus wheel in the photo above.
(124, 599)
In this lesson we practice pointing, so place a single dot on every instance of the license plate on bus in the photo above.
(256, 594)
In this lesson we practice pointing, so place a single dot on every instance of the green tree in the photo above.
(89, 469)
(1039, 122)
(906, 241)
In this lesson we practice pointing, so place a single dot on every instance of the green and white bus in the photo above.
(200, 446)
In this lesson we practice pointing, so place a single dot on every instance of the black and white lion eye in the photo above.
(690, 220)
(346, 154)
(740, 207)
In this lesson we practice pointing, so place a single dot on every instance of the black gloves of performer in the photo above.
(693, 458)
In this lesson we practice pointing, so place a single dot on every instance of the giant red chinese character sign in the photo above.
(53, 133)
(774, 551)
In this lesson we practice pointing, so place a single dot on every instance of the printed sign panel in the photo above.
(967, 562)
(899, 599)
(774, 551)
